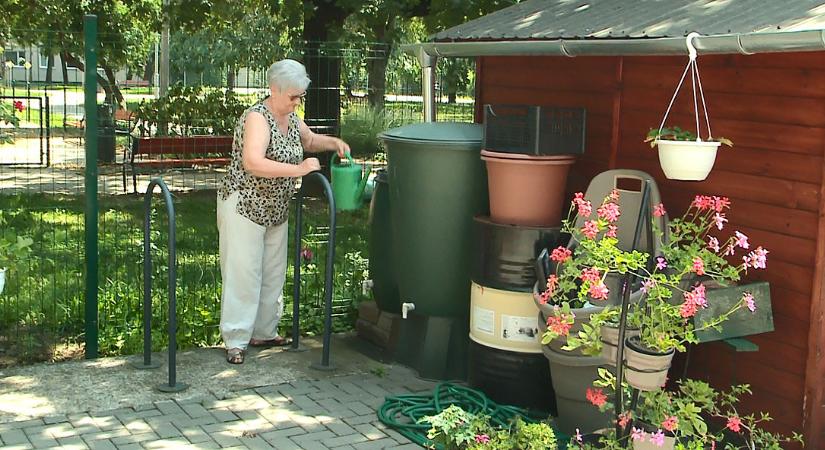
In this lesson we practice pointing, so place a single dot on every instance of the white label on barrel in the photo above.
(519, 328)
(484, 320)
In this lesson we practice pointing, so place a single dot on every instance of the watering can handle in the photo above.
(349, 157)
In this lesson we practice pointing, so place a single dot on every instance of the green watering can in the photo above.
(348, 183)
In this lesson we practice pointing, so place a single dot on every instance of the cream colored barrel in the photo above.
(506, 320)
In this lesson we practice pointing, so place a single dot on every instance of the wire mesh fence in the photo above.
(42, 192)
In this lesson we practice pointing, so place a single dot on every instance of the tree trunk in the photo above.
(115, 89)
(110, 88)
(230, 78)
(64, 64)
(377, 73)
(49, 67)
(322, 111)
(149, 69)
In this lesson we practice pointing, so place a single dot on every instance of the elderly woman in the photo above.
(253, 200)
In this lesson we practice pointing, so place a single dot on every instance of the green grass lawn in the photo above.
(42, 308)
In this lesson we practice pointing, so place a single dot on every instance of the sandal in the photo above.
(235, 355)
(277, 341)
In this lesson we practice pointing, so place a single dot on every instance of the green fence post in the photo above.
(90, 107)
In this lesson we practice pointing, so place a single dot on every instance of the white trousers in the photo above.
(253, 270)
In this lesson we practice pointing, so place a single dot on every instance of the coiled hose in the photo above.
(402, 412)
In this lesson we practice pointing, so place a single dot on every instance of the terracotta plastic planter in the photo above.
(526, 190)
(645, 369)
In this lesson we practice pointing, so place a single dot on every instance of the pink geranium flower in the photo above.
(741, 240)
(698, 265)
(590, 229)
(657, 438)
(596, 396)
(659, 210)
(747, 297)
(671, 423)
(661, 263)
(720, 220)
(734, 424)
(609, 212)
(592, 275)
(598, 291)
(561, 254)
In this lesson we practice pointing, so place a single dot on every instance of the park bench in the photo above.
(133, 83)
(156, 153)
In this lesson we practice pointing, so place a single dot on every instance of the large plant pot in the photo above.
(572, 375)
(645, 369)
(610, 342)
(526, 190)
(687, 160)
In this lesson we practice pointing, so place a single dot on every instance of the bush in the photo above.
(361, 131)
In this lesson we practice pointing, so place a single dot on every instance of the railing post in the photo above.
(172, 385)
(91, 213)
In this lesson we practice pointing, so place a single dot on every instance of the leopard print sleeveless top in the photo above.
(264, 201)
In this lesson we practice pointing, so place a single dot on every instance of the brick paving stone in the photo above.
(375, 445)
(169, 407)
(104, 435)
(340, 428)
(111, 412)
(14, 437)
(106, 423)
(43, 442)
(167, 443)
(60, 430)
(166, 431)
(50, 420)
(136, 426)
(255, 442)
(409, 446)
(187, 422)
(74, 442)
(283, 443)
(223, 415)
(195, 435)
(142, 414)
(138, 437)
(194, 410)
(358, 420)
(353, 438)
(371, 431)
(18, 447)
(316, 436)
(247, 415)
(226, 438)
(360, 408)
(131, 446)
(20, 424)
(102, 444)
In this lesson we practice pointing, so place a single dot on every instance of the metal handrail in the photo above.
(172, 385)
(296, 291)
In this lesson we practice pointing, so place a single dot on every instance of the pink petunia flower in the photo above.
(741, 240)
(713, 244)
(657, 438)
(612, 231)
(659, 210)
(560, 254)
(598, 291)
(596, 396)
(720, 203)
(590, 229)
(671, 423)
(609, 212)
(734, 424)
(592, 275)
(720, 220)
(698, 265)
(747, 297)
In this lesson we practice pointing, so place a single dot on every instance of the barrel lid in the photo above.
(442, 132)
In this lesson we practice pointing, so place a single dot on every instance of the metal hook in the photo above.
(690, 47)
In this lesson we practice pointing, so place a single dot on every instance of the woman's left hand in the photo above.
(342, 148)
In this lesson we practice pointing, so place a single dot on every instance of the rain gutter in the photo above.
(737, 43)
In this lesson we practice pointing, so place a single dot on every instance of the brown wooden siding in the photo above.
(773, 108)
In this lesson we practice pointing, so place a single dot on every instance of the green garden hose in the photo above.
(402, 412)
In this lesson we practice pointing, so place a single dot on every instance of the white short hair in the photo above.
(287, 74)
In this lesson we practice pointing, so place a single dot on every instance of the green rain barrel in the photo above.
(438, 183)
(384, 287)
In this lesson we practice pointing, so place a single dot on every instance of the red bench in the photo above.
(171, 152)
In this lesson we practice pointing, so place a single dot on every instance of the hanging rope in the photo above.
(693, 67)
(402, 412)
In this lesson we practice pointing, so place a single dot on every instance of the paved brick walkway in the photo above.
(272, 401)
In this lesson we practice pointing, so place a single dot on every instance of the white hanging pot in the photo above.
(687, 160)
(2, 279)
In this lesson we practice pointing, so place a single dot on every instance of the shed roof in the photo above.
(623, 19)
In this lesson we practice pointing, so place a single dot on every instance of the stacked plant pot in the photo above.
(528, 151)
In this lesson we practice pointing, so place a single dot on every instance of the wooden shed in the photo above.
(762, 65)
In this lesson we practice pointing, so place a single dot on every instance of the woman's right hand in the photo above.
(310, 165)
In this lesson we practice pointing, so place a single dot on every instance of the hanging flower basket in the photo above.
(682, 154)
(687, 160)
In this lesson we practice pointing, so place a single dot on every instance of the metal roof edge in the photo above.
(740, 43)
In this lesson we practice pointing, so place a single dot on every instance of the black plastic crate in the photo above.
(534, 130)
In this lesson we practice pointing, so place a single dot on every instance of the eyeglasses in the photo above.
(300, 96)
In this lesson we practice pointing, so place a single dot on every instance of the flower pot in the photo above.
(687, 160)
(2, 279)
(526, 190)
(572, 375)
(645, 369)
(582, 316)
(610, 341)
